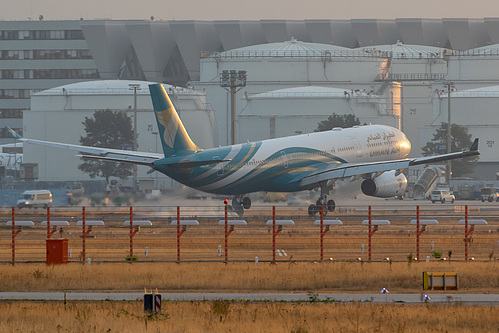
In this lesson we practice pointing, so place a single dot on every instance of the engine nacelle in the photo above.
(386, 185)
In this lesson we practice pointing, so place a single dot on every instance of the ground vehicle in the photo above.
(442, 196)
(489, 194)
(35, 198)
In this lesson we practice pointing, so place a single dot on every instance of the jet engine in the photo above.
(385, 185)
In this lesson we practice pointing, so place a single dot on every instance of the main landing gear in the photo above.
(240, 203)
(328, 205)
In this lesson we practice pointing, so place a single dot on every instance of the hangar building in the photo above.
(57, 114)
(394, 69)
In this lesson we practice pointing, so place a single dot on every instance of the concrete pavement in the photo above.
(440, 298)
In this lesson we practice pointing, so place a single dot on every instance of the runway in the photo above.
(414, 299)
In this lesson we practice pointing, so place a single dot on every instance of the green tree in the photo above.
(336, 120)
(107, 129)
(460, 141)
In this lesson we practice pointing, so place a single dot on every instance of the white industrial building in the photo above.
(58, 114)
(292, 111)
(298, 73)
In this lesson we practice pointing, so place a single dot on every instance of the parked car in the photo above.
(489, 194)
(442, 196)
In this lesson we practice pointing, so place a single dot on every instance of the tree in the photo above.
(335, 120)
(460, 141)
(107, 129)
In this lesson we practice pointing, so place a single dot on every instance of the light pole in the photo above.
(134, 87)
(450, 86)
(234, 81)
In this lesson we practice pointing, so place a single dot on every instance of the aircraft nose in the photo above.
(405, 146)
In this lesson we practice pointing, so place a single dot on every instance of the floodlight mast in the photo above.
(134, 87)
(233, 81)
(450, 87)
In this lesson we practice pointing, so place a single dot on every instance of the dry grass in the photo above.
(475, 277)
(220, 316)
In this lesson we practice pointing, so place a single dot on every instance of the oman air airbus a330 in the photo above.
(373, 155)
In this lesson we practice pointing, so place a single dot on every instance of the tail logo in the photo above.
(170, 126)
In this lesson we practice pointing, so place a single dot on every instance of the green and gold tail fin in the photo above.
(174, 137)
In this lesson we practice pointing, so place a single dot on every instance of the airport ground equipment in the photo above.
(152, 301)
(321, 223)
(440, 281)
(229, 227)
(419, 231)
(279, 224)
(373, 227)
(469, 227)
(83, 222)
(54, 224)
(57, 251)
(184, 224)
(16, 229)
(134, 228)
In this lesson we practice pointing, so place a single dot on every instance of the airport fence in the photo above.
(345, 235)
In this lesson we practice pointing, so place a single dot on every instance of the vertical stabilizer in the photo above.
(174, 137)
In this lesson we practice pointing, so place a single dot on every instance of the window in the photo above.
(14, 93)
(41, 34)
(11, 113)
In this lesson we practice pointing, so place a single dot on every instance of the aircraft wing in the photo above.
(106, 154)
(360, 169)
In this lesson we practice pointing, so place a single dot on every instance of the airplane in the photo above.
(376, 155)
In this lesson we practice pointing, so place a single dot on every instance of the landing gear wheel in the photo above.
(311, 210)
(246, 203)
(238, 209)
(235, 202)
(331, 205)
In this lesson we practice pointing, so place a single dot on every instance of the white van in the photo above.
(442, 196)
(35, 198)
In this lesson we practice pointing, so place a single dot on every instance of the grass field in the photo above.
(474, 277)
(223, 316)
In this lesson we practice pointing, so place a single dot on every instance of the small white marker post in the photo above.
(256, 260)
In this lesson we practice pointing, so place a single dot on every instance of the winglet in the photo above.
(474, 146)
(13, 133)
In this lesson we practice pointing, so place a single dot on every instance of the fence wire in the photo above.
(298, 242)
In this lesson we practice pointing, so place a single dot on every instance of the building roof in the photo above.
(401, 50)
(289, 49)
(303, 92)
(490, 91)
(106, 87)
